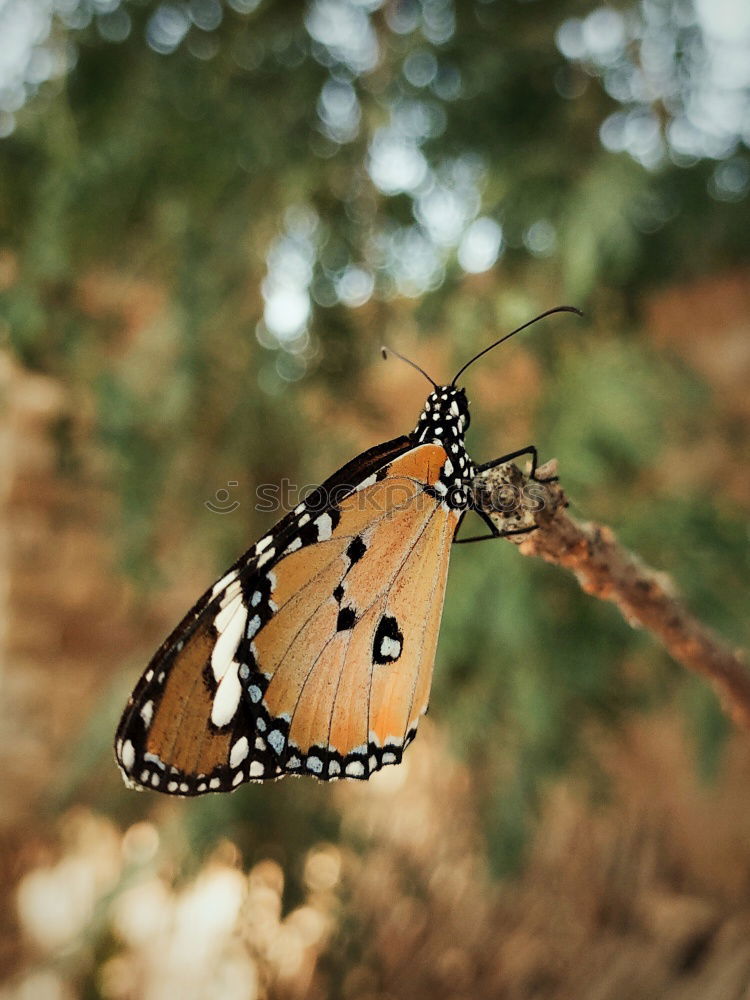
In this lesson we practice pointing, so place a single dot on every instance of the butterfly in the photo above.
(313, 653)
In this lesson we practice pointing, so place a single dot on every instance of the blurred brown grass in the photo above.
(643, 895)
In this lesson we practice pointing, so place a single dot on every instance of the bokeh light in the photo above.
(693, 61)
(480, 245)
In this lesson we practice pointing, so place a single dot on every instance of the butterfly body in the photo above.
(313, 654)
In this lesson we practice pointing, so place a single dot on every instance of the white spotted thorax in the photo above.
(444, 421)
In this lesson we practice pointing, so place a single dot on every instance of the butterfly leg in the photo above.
(495, 531)
(529, 450)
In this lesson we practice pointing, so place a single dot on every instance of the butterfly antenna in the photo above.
(385, 351)
(549, 312)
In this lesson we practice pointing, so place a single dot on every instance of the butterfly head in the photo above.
(445, 416)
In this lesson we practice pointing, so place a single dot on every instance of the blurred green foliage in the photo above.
(176, 173)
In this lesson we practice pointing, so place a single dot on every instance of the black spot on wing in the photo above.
(355, 550)
(346, 619)
(388, 641)
(256, 595)
(246, 657)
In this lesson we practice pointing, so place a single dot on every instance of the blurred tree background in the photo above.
(212, 214)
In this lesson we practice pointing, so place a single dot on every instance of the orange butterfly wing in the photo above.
(314, 653)
(343, 668)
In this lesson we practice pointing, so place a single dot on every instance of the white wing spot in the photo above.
(303, 520)
(276, 739)
(128, 755)
(252, 626)
(389, 758)
(214, 783)
(325, 527)
(257, 770)
(266, 557)
(147, 713)
(256, 598)
(227, 613)
(172, 786)
(293, 546)
(314, 764)
(255, 694)
(334, 767)
(227, 698)
(240, 750)
(355, 768)
(366, 482)
(263, 544)
(226, 645)
(234, 589)
(224, 582)
(238, 778)
(390, 648)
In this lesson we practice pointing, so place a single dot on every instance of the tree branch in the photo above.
(646, 598)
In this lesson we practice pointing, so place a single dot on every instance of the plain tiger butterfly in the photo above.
(313, 653)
